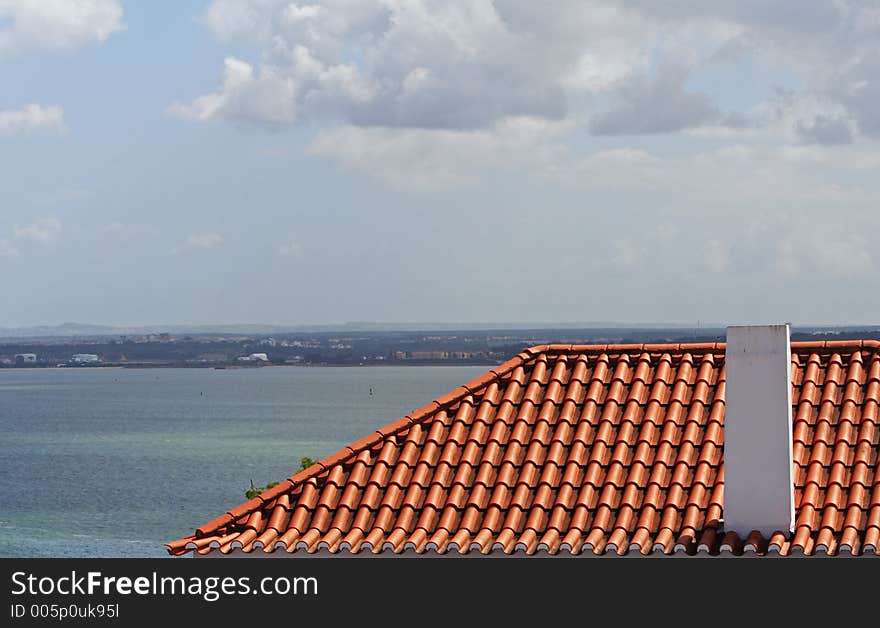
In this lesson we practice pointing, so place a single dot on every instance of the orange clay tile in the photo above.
(580, 450)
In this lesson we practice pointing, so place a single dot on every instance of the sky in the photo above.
(269, 161)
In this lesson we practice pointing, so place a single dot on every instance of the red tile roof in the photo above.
(581, 449)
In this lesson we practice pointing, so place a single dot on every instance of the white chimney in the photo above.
(758, 476)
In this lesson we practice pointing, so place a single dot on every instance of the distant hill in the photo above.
(86, 330)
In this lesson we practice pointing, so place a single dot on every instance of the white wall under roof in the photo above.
(758, 476)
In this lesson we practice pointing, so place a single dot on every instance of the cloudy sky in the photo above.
(447, 161)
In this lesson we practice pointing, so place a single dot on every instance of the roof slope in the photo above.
(573, 449)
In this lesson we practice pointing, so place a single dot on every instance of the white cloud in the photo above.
(208, 240)
(734, 179)
(423, 159)
(658, 104)
(291, 249)
(791, 211)
(31, 25)
(43, 231)
(267, 98)
(459, 64)
(823, 129)
(858, 89)
(31, 118)
(433, 94)
(435, 64)
(823, 250)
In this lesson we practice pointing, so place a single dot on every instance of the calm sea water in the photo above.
(115, 462)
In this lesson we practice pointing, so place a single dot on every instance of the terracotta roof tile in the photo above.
(572, 449)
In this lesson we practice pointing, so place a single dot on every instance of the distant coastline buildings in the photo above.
(404, 348)
(254, 357)
(31, 360)
(85, 358)
(435, 355)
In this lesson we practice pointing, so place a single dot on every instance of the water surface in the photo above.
(115, 462)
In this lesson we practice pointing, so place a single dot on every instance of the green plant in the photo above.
(304, 463)
(253, 491)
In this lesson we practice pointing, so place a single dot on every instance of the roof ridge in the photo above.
(692, 346)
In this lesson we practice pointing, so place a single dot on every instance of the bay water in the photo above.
(101, 462)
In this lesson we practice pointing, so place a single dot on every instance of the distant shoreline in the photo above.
(238, 368)
(485, 349)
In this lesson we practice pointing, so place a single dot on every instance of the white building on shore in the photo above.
(254, 357)
(85, 358)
